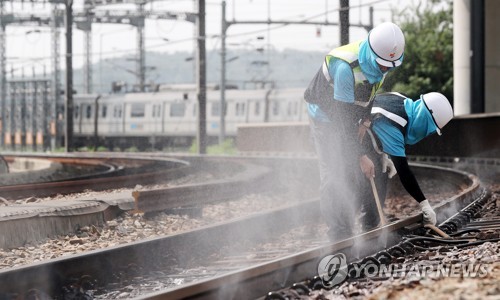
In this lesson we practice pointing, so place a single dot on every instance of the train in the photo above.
(169, 117)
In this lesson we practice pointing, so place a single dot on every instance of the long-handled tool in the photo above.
(377, 200)
(437, 230)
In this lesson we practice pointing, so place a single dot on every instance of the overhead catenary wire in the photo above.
(191, 39)
(306, 19)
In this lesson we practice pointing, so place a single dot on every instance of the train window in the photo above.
(242, 109)
(119, 111)
(289, 109)
(177, 109)
(237, 109)
(257, 108)
(104, 111)
(194, 110)
(276, 108)
(215, 109)
(137, 110)
(77, 111)
(296, 108)
(89, 111)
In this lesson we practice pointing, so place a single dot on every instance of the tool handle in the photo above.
(377, 200)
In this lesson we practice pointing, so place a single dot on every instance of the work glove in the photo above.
(388, 166)
(428, 213)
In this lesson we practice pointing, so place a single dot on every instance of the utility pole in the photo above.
(201, 80)
(68, 142)
(344, 22)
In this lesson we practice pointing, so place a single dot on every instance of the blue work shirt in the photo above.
(343, 88)
(343, 80)
(420, 125)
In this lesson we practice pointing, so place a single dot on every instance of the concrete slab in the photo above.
(21, 224)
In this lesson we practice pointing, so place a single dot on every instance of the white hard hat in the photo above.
(439, 107)
(388, 43)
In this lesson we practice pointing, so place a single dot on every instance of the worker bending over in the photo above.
(398, 121)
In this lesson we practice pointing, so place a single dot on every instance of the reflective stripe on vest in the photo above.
(391, 106)
(378, 110)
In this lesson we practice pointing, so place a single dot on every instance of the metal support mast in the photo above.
(140, 64)
(56, 89)
(344, 22)
(68, 142)
(222, 129)
(201, 80)
(3, 74)
(87, 80)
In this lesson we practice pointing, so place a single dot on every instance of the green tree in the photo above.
(428, 58)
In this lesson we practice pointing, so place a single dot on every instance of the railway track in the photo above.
(256, 281)
(97, 269)
(109, 173)
(443, 262)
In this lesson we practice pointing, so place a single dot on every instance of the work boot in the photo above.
(369, 220)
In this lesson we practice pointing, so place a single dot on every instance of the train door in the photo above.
(156, 118)
(163, 108)
(115, 124)
(87, 121)
(77, 119)
(255, 110)
(274, 115)
(103, 118)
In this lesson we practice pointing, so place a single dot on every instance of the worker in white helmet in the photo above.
(339, 96)
(398, 121)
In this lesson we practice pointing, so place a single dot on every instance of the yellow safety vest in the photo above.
(320, 90)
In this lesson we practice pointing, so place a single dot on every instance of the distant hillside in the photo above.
(287, 68)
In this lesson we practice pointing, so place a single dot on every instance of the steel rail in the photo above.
(256, 281)
(172, 169)
(250, 282)
(50, 276)
(253, 179)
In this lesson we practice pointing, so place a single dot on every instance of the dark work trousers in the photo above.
(345, 192)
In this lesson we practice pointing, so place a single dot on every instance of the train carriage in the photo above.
(170, 117)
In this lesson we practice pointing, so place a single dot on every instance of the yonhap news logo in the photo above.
(332, 269)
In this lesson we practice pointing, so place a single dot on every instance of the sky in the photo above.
(28, 49)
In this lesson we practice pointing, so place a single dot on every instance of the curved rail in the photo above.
(254, 281)
(116, 175)
(253, 179)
